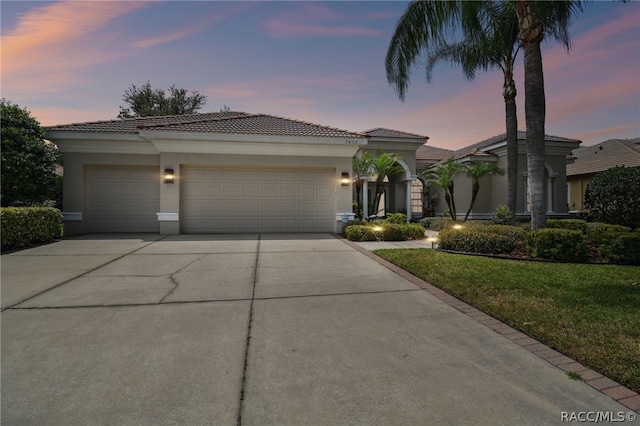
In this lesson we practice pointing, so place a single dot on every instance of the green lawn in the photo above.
(590, 313)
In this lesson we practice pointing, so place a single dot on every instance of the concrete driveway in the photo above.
(254, 330)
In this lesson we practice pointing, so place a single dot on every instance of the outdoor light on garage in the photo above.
(168, 176)
(344, 181)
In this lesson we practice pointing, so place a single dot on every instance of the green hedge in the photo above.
(565, 245)
(485, 239)
(623, 249)
(25, 226)
(436, 223)
(386, 232)
(575, 224)
(599, 234)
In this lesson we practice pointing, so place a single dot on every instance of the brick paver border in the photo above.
(611, 388)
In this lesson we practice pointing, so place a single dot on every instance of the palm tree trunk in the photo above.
(447, 198)
(358, 202)
(454, 214)
(534, 106)
(509, 92)
(474, 193)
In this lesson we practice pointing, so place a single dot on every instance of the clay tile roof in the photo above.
(426, 152)
(605, 155)
(475, 149)
(215, 122)
(390, 133)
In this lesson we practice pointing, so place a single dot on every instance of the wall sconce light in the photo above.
(168, 176)
(344, 181)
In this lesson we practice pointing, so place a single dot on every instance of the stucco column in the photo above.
(365, 197)
(549, 195)
(408, 198)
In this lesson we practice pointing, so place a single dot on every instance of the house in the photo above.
(216, 172)
(493, 188)
(589, 160)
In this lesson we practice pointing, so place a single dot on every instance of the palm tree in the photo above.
(488, 30)
(360, 166)
(481, 50)
(533, 21)
(382, 165)
(476, 171)
(443, 175)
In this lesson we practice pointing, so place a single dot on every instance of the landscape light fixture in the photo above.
(345, 179)
(169, 177)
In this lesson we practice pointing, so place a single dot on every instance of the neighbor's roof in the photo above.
(214, 122)
(427, 155)
(605, 155)
(476, 148)
(390, 133)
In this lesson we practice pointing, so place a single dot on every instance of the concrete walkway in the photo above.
(254, 330)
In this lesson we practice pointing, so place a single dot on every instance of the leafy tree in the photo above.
(488, 40)
(613, 196)
(28, 161)
(360, 166)
(476, 171)
(382, 165)
(443, 175)
(147, 102)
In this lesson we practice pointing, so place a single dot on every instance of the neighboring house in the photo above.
(215, 172)
(589, 160)
(493, 188)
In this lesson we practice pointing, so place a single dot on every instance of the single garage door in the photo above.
(257, 200)
(123, 199)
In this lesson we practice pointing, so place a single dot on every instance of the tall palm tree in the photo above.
(443, 175)
(481, 50)
(476, 171)
(488, 31)
(382, 165)
(534, 19)
(360, 166)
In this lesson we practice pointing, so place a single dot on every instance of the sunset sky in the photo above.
(315, 61)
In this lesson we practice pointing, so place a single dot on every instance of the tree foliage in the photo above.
(475, 171)
(613, 196)
(28, 161)
(145, 101)
(443, 175)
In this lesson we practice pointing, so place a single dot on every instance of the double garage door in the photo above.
(256, 200)
(126, 199)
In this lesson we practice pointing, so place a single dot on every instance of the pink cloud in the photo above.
(305, 23)
(610, 132)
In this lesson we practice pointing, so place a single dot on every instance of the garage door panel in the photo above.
(258, 200)
(123, 199)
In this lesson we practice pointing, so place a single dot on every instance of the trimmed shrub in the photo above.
(359, 233)
(565, 245)
(388, 232)
(350, 223)
(624, 249)
(613, 196)
(25, 226)
(575, 224)
(598, 233)
(486, 239)
(396, 218)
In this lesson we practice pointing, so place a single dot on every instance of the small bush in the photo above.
(486, 239)
(350, 223)
(613, 196)
(566, 245)
(397, 218)
(359, 233)
(26, 226)
(624, 249)
(575, 224)
(502, 216)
